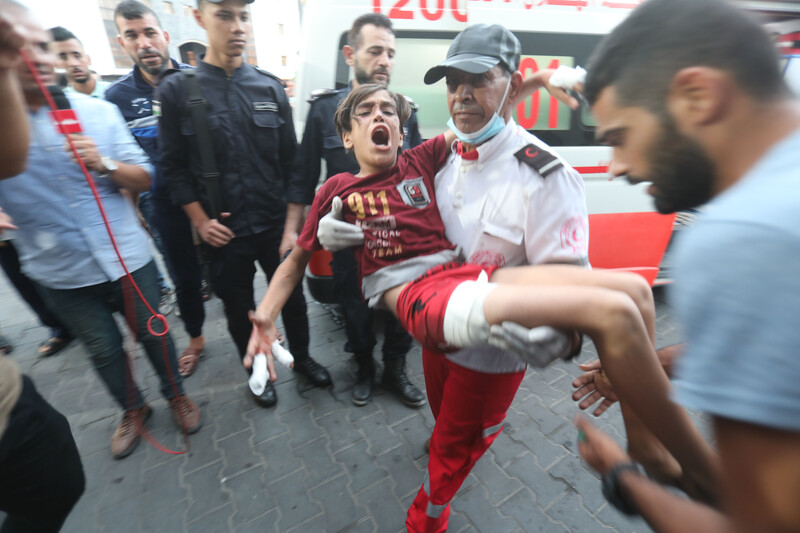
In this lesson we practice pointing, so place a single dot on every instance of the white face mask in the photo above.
(492, 127)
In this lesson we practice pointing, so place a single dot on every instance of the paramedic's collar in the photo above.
(487, 150)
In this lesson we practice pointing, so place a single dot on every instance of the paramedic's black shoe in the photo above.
(362, 390)
(395, 380)
(268, 398)
(313, 371)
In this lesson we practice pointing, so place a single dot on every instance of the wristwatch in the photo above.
(110, 165)
(614, 493)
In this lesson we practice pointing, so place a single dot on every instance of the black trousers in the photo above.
(9, 261)
(232, 272)
(41, 475)
(358, 316)
(180, 257)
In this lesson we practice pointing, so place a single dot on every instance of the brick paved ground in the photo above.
(315, 462)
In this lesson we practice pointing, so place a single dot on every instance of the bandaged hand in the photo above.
(334, 233)
(264, 367)
(538, 347)
(262, 336)
(568, 78)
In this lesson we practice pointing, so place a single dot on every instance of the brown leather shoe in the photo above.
(126, 437)
(186, 413)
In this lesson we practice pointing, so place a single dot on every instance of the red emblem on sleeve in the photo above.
(573, 235)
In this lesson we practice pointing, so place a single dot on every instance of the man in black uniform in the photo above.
(250, 127)
(370, 51)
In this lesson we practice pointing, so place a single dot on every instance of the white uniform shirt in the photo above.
(502, 212)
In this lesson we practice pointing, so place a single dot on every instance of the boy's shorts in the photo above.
(422, 303)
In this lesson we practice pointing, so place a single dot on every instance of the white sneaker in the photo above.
(167, 302)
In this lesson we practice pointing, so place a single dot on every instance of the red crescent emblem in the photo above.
(573, 235)
(529, 154)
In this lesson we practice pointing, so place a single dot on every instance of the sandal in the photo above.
(53, 345)
(5, 346)
(187, 362)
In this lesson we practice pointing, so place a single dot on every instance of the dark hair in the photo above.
(133, 10)
(376, 19)
(344, 113)
(641, 56)
(61, 34)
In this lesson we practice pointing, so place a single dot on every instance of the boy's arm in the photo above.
(286, 277)
(541, 78)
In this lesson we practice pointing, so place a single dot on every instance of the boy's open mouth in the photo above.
(380, 135)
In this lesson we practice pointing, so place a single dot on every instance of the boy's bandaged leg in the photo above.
(464, 320)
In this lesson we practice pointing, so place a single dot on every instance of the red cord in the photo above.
(126, 296)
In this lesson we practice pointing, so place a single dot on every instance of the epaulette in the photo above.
(270, 74)
(319, 93)
(541, 160)
(414, 105)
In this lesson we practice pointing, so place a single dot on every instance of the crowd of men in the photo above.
(687, 93)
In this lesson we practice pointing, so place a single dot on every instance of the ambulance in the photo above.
(625, 233)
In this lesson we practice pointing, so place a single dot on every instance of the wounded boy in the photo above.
(407, 265)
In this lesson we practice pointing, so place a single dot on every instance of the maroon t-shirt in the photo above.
(396, 208)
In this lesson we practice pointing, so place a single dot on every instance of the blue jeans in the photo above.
(88, 312)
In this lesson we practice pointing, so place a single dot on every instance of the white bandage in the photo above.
(567, 77)
(464, 321)
(281, 354)
(258, 379)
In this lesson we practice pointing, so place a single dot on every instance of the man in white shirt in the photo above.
(76, 62)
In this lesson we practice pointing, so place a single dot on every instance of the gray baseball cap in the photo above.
(478, 49)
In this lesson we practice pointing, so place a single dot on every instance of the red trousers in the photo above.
(469, 408)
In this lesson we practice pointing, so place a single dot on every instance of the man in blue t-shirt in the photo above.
(689, 94)
(142, 37)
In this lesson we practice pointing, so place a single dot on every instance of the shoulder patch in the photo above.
(541, 160)
(270, 74)
(414, 105)
(319, 93)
